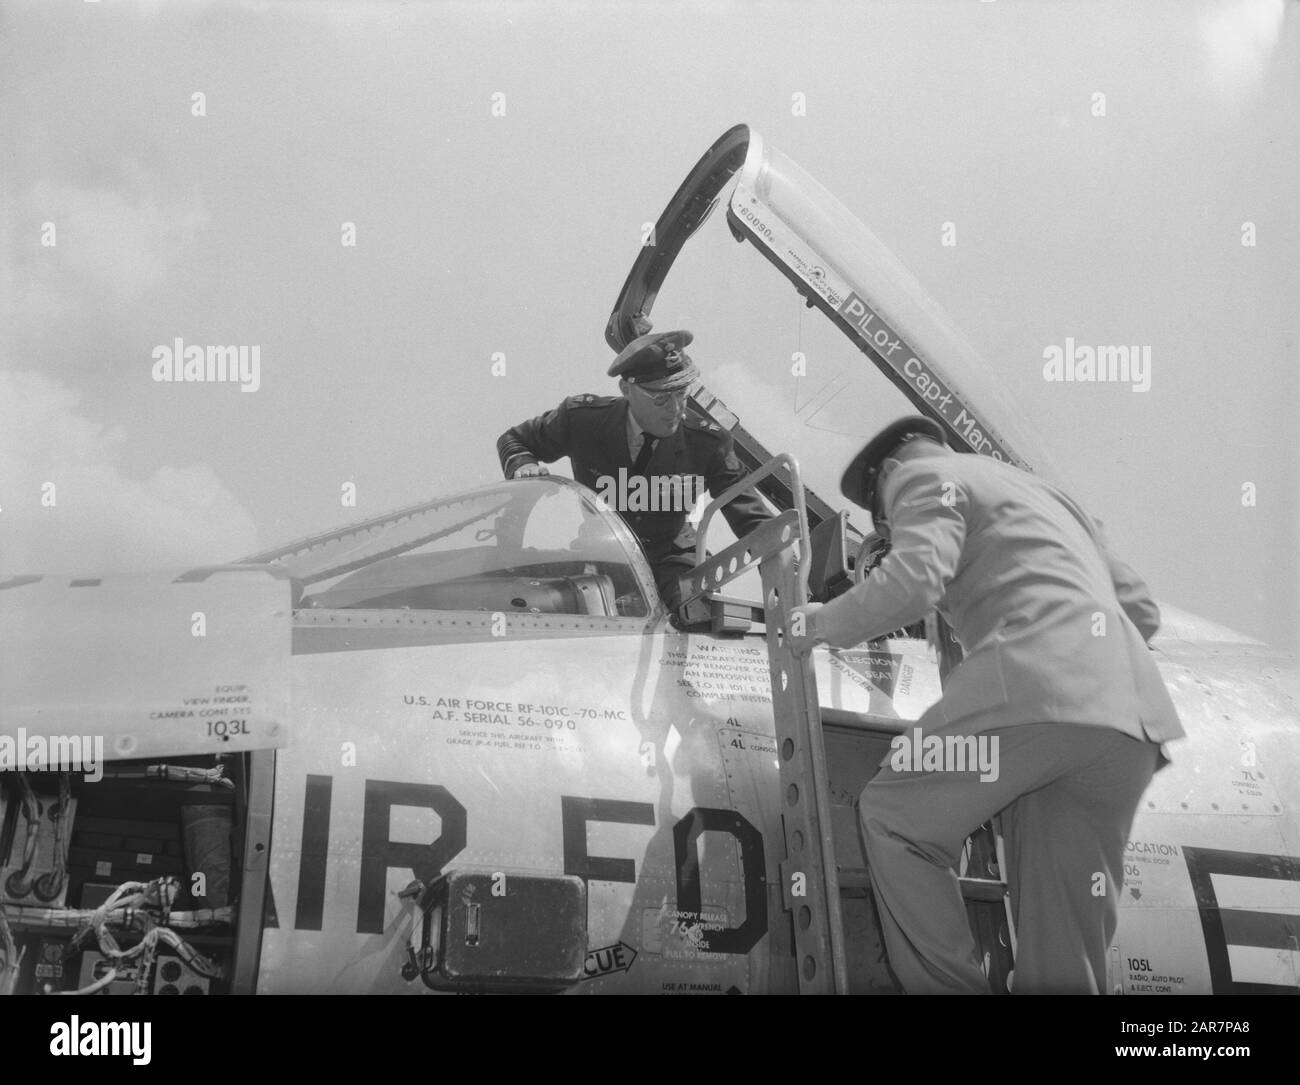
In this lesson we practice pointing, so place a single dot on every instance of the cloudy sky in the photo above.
(1101, 165)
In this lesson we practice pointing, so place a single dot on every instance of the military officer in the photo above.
(647, 434)
(1056, 675)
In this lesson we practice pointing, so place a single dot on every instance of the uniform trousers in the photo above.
(1067, 794)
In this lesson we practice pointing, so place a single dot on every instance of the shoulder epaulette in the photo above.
(701, 425)
(587, 399)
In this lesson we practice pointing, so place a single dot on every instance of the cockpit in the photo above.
(536, 546)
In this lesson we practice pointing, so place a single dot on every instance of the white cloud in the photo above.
(102, 518)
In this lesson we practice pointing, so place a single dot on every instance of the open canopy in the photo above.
(843, 269)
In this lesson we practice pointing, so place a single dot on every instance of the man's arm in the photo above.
(544, 438)
(746, 511)
(928, 530)
(1130, 589)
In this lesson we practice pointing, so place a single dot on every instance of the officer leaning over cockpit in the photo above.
(647, 432)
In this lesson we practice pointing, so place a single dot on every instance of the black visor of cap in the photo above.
(858, 483)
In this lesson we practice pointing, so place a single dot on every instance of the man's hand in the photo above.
(531, 470)
(803, 626)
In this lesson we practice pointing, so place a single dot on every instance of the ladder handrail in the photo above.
(747, 483)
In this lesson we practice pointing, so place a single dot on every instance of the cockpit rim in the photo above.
(617, 528)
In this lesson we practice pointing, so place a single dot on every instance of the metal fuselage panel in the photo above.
(646, 764)
(1211, 897)
(625, 759)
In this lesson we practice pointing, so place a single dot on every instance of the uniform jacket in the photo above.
(592, 432)
(1052, 625)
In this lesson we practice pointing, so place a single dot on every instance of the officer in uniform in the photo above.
(1056, 672)
(645, 432)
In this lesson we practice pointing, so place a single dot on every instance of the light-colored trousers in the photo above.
(1067, 794)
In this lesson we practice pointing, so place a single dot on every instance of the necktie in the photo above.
(643, 457)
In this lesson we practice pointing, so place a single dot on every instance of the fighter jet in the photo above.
(460, 747)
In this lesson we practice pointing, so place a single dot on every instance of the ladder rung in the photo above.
(854, 877)
(982, 889)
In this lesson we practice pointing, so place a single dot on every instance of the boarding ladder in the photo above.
(809, 877)
(809, 874)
